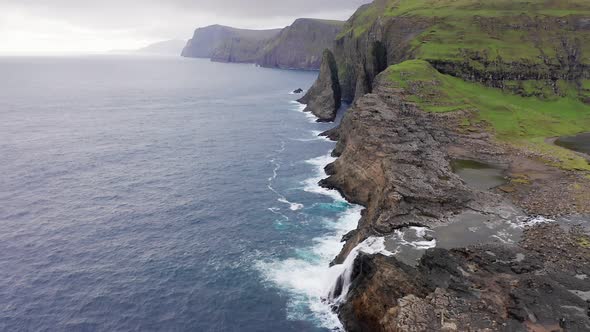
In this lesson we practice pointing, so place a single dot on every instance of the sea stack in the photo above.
(324, 98)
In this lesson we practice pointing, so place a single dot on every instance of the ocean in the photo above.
(163, 194)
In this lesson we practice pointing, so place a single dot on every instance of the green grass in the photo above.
(486, 8)
(525, 121)
(483, 27)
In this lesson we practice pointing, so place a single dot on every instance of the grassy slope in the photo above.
(515, 119)
(461, 25)
(496, 31)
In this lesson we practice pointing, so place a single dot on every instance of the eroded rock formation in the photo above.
(324, 98)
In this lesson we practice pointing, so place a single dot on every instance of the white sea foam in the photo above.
(311, 185)
(372, 245)
(299, 107)
(317, 134)
(523, 222)
(308, 278)
(275, 171)
(315, 137)
(419, 243)
(292, 206)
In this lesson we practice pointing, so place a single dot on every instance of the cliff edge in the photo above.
(324, 98)
(298, 46)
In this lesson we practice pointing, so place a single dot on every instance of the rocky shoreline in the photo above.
(395, 160)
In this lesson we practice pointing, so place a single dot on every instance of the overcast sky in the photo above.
(82, 26)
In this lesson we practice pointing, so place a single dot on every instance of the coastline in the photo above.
(310, 279)
(394, 160)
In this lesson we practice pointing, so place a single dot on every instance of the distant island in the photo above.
(298, 46)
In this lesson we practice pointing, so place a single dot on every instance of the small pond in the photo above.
(479, 175)
(579, 143)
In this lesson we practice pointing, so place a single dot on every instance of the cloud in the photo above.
(96, 26)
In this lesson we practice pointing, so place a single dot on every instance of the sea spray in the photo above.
(341, 286)
(299, 107)
(308, 277)
(311, 185)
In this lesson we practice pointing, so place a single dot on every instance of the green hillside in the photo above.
(513, 118)
(522, 67)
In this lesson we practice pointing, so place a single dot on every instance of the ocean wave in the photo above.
(275, 172)
(299, 107)
(311, 185)
(315, 137)
(308, 278)
(371, 246)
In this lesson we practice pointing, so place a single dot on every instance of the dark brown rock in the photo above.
(482, 288)
(324, 98)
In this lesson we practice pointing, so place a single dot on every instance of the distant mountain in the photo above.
(227, 44)
(298, 46)
(167, 47)
(301, 45)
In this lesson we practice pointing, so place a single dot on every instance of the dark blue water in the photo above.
(161, 194)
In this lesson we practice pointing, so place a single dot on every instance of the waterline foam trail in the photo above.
(311, 184)
(299, 107)
(277, 166)
(308, 277)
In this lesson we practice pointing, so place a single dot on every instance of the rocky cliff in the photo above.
(432, 81)
(529, 287)
(298, 46)
(227, 44)
(324, 98)
(394, 158)
(527, 47)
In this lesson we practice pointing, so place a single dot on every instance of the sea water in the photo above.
(163, 194)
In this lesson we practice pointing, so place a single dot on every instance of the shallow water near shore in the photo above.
(479, 175)
(579, 143)
(163, 194)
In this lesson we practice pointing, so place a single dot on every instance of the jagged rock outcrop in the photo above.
(298, 46)
(539, 285)
(227, 44)
(324, 98)
(392, 159)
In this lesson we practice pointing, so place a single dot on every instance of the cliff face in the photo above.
(324, 98)
(298, 46)
(505, 44)
(228, 44)
(394, 159)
